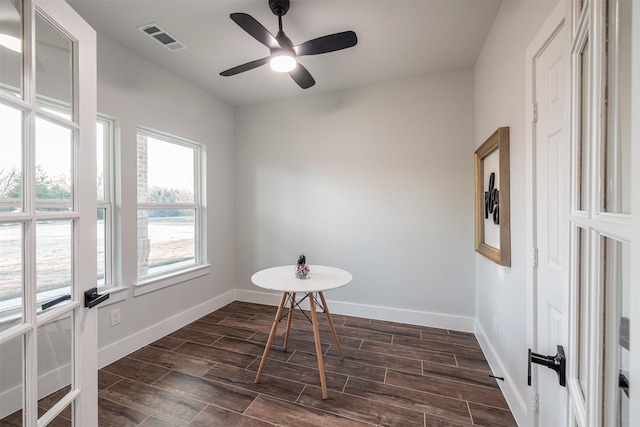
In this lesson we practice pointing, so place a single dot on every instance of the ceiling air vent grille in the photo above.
(154, 31)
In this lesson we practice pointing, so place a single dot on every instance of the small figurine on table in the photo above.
(302, 269)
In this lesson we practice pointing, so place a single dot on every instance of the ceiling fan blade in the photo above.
(245, 67)
(301, 76)
(255, 29)
(326, 44)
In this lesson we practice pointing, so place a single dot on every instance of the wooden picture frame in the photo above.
(493, 223)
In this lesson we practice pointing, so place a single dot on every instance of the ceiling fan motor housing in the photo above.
(279, 7)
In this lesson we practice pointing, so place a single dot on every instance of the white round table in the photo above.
(283, 279)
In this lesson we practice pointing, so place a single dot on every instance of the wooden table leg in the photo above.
(286, 335)
(316, 335)
(333, 329)
(271, 335)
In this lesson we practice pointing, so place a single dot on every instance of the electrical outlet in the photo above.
(495, 326)
(115, 317)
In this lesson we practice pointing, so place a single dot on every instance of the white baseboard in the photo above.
(413, 317)
(119, 349)
(514, 399)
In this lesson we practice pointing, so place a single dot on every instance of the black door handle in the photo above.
(558, 363)
(55, 301)
(93, 298)
(623, 383)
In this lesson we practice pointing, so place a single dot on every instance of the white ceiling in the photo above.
(397, 39)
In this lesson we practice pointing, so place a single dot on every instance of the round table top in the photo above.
(321, 278)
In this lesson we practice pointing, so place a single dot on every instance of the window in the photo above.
(104, 149)
(170, 226)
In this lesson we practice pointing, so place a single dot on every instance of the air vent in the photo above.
(154, 31)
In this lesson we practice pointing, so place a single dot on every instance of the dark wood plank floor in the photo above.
(392, 375)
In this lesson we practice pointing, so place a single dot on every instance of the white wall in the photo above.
(376, 180)
(500, 101)
(138, 93)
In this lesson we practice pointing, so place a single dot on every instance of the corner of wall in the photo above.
(514, 399)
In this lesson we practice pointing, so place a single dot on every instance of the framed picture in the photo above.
(493, 224)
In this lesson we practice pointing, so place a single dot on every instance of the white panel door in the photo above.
(551, 172)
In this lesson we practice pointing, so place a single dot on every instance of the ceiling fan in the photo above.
(283, 53)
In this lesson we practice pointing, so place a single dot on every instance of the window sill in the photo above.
(116, 294)
(156, 283)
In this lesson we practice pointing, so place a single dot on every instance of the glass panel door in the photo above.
(603, 319)
(47, 167)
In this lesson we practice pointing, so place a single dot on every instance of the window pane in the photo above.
(617, 151)
(11, 381)
(615, 267)
(53, 258)
(101, 138)
(11, 263)
(165, 171)
(54, 90)
(11, 159)
(583, 139)
(166, 239)
(102, 268)
(11, 47)
(53, 166)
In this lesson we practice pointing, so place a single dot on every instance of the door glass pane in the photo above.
(616, 265)
(11, 382)
(54, 151)
(46, 403)
(11, 47)
(617, 151)
(11, 265)
(54, 62)
(53, 259)
(582, 319)
(55, 344)
(583, 139)
(10, 159)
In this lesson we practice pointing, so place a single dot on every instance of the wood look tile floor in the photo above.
(392, 374)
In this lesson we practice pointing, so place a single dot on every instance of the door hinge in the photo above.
(535, 257)
(535, 403)
(534, 119)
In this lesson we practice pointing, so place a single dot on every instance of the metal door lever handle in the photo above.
(93, 298)
(623, 383)
(558, 363)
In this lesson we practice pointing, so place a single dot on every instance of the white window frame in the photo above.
(109, 196)
(179, 272)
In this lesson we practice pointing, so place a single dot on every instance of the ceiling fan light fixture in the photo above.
(283, 62)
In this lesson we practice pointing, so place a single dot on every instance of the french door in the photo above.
(600, 373)
(48, 361)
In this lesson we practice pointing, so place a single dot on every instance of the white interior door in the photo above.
(552, 231)
(551, 237)
(48, 361)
